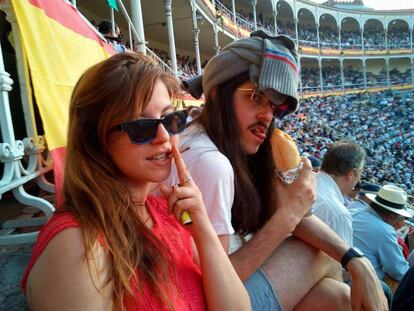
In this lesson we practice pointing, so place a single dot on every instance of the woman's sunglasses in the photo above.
(144, 131)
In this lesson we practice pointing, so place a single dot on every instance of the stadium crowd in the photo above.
(382, 122)
(187, 65)
(329, 37)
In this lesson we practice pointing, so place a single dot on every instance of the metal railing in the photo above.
(25, 160)
(248, 25)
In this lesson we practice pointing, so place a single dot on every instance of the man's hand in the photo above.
(296, 199)
(366, 289)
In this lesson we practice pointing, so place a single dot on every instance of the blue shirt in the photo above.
(356, 205)
(378, 241)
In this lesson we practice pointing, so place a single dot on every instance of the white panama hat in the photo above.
(392, 198)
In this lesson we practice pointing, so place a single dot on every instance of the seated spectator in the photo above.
(341, 170)
(351, 195)
(105, 28)
(362, 200)
(112, 246)
(316, 163)
(404, 298)
(410, 259)
(375, 235)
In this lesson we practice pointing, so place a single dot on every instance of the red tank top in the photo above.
(190, 294)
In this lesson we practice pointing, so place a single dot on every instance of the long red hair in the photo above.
(108, 93)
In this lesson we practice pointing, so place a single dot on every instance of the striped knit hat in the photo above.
(271, 62)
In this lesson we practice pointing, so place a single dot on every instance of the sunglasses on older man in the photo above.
(259, 99)
(143, 131)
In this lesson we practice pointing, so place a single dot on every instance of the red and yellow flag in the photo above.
(60, 45)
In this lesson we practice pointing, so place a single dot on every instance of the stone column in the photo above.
(196, 33)
(171, 40)
(254, 3)
(387, 70)
(320, 73)
(386, 38)
(296, 30)
(233, 7)
(317, 35)
(364, 70)
(412, 70)
(341, 66)
(275, 20)
(136, 14)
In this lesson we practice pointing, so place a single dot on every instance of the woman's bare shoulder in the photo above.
(60, 279)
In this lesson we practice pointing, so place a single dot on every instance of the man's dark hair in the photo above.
(381, 210)
(254, 200)
(105, 27)
(342, 157)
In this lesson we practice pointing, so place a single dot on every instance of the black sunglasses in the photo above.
(144, 131)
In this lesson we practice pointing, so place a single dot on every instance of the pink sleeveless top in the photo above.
(189, 294)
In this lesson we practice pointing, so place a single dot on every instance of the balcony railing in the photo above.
(248, 25)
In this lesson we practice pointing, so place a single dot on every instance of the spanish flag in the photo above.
(60, 45)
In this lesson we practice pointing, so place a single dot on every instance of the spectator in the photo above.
(230, 156)
(316, 163)
(362, 201)
(375, 235)
(341, 170)
(351, 196)
(112, 246)
(105, 28)
(404, 298)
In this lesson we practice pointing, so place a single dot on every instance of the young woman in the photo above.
(112, 246)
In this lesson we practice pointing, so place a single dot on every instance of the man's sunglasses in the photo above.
(143, 131)
(259, 99)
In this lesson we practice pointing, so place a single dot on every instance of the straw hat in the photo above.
(393, 199)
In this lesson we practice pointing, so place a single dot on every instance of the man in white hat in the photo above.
(362, 200)
(374, 232)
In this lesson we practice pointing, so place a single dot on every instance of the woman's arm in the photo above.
(222, 286)
(60, 279)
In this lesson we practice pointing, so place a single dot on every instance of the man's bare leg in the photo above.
(296, 268)
(327, 295)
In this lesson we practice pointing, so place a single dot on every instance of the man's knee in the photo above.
(296, 254)
(295, 268)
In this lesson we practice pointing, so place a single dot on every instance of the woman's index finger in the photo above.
(179, 163)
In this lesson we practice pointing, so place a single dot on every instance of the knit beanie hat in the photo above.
(271, 62)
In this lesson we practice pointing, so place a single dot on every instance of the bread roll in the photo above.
(286, 157)
(285, 153)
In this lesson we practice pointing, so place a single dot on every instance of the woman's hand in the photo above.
(186, 197)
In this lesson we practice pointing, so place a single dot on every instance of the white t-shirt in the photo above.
(329, 207)
(213, 174)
